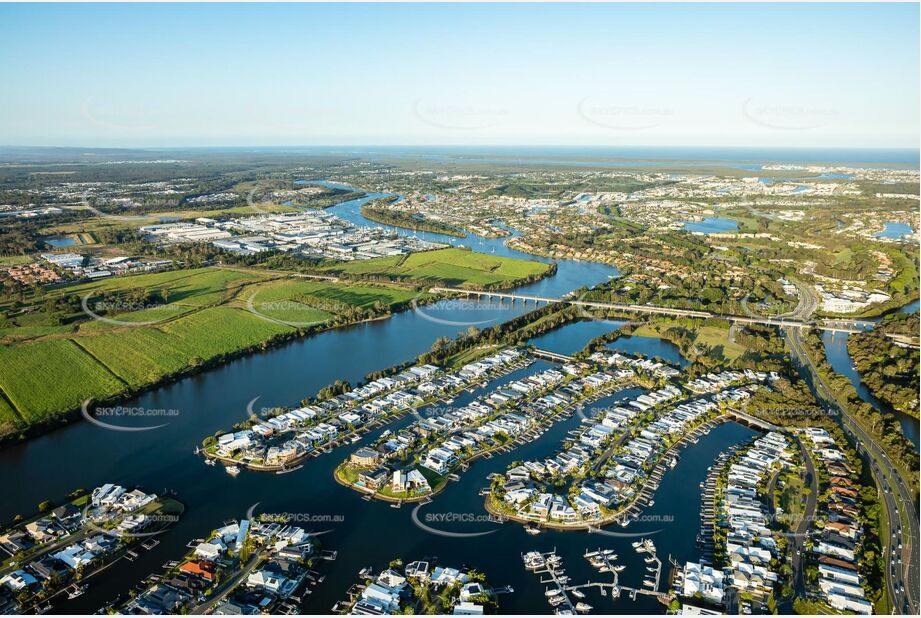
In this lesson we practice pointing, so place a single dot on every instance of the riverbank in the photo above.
(200, 319)
(619, 516)
(543, 423)
(396, 218)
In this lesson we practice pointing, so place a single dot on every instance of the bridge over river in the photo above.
(839, 325)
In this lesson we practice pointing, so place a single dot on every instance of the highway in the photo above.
(902, 539)
(899, 546)
(839, 325)
(901, 542)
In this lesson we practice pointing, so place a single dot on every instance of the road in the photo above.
(901, 563)
(901, 542)
(228, 586)
(842, 325)
(799, 536)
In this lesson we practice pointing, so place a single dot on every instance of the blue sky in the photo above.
(832, 75)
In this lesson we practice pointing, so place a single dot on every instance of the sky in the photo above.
(808, 75)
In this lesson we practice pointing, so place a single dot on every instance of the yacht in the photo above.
(232, 470)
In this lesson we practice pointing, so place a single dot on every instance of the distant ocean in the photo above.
(616, 156)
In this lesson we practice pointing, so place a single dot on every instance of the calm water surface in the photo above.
(894, 229)
(372, 533)
(711, 225)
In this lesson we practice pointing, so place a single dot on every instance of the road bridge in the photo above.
(847, 326)
(554, 356)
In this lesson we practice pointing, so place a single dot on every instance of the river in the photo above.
(840, 360)
(81, 455)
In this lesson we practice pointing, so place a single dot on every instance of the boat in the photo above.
(578, 594)
(636, 544)
(583, 607)
(232, 470)
(532, 530)
(551, 593)
(534, 560)
(210, 462)
(619, 568)
(604, 592)
(75, 591)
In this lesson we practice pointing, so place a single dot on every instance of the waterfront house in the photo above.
(210, 550)
(18, 580)
(199, 568)
(703, 579)
(42, 530)
(375, 478)
(365, 456)
(68, 516)
(271, 582)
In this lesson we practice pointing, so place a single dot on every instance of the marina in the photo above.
(560, 592)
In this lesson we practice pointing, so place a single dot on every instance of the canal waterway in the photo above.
(841, 362)
(82, 455)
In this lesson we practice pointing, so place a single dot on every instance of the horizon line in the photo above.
(461, 145)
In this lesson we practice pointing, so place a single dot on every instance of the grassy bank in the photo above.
(54, 356)
(450, 267)
(158, 327)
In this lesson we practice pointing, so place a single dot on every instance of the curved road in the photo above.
(901, 539)
(901, 564)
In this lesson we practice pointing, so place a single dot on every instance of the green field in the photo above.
(197, 317)
(47, 377)
(711, 336)
(450, 267)
(210, 313)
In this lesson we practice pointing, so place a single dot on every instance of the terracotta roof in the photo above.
(201, 568)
